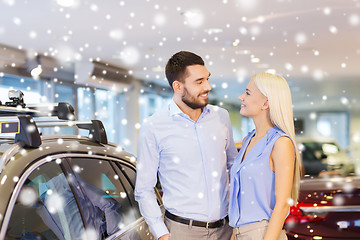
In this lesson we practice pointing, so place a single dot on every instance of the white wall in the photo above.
(353, 146)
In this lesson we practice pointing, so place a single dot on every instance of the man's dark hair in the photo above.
(176, 66)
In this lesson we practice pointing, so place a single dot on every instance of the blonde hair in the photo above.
(277, 91)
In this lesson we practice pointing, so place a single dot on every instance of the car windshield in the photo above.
(323, 147)
(325, 157)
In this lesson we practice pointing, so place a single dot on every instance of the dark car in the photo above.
(328, 208)
(323, 154)
(64, 187)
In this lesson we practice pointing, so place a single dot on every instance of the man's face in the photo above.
(196, 86)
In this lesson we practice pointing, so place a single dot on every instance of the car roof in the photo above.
(57, 144)
(20, 135)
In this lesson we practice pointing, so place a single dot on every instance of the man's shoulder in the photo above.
(158, 116)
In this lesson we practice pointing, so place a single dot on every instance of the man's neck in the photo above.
(194, 114)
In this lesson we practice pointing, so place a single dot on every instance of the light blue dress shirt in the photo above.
(192, 159)
(252, 182)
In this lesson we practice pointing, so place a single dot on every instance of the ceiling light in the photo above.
(236, 42)
(194, 18)
(213, 30)
(35, 72)
(272, 71)
(66, 3)
(242, 52)
(255, 60)
(35, 67)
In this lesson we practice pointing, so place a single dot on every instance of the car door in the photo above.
(45, 206)
(109, 185)
(76, 196)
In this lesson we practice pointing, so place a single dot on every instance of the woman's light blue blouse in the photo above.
(252, 182)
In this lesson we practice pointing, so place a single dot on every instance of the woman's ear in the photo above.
(266, 105)
(177, 86)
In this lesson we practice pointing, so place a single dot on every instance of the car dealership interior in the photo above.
(108, 59)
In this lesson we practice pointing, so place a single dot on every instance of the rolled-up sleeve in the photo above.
(146, 178)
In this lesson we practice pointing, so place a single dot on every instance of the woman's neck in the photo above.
(262, 126)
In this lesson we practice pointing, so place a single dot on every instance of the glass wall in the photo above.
(85, 103)
(334, 125)
(150, 102)
(105, 106)
(89, 103)
(65, 93)
(31, 88)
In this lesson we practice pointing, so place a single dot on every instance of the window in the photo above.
(30, 87)
(150, 102)
(334, 125)
(127, 177)
(108, 189)
(64, 93)
(85, 106)
(45, 208)
(105, 111)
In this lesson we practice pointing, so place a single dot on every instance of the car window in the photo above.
(129, 172)
(105, 186)
(127, 177)
(46, 207)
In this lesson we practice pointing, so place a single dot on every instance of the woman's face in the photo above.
(253, 102)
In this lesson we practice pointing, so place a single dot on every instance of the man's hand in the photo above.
(164, 237)
(232, 237)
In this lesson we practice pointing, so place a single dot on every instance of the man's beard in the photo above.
(191, 101)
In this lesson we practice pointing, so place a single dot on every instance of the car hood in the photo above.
(338, 158)
(333, 190)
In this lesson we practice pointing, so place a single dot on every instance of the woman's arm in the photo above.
(282, 161)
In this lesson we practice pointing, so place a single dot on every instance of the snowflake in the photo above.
(89, 233)
(54, 202)
(28, 196)
(194, 18)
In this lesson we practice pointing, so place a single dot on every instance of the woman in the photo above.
(266, 172)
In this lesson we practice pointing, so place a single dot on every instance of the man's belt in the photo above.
(178, 219)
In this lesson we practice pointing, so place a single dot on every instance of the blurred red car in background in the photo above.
(328, 208)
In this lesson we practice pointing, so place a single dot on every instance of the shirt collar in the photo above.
(175, 110)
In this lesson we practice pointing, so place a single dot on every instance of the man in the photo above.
(189, 145)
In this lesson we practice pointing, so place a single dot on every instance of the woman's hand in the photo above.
(164, 237)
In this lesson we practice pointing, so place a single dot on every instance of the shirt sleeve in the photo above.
(231, 151)
(146, 178)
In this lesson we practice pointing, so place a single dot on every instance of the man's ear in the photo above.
(177, 86)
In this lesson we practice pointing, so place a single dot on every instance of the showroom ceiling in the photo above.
(314, 44)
